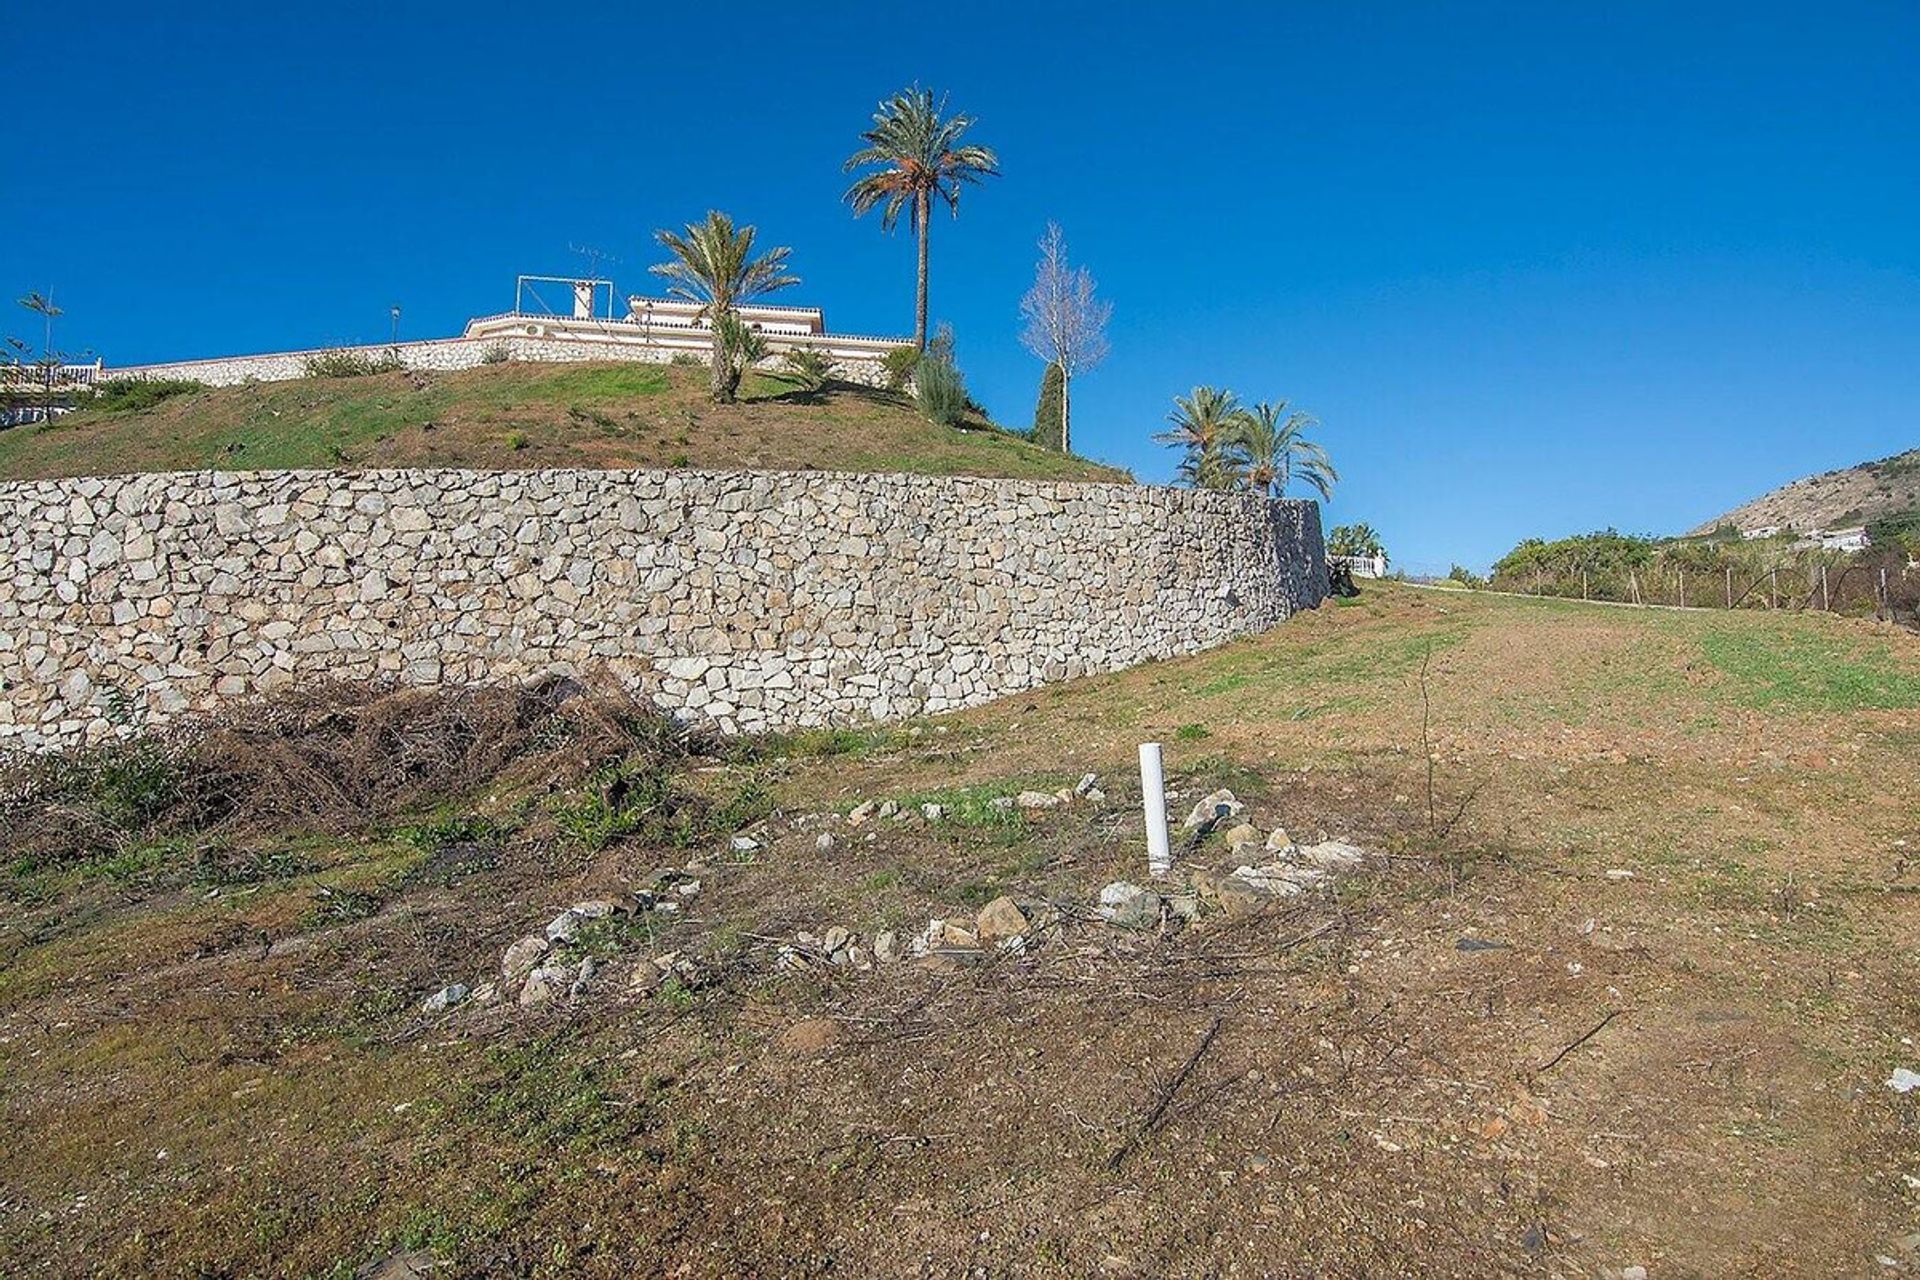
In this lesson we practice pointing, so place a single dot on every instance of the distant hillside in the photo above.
(522, 416)
(1873, 492)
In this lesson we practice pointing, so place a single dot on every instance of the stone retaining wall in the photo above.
(752, 600)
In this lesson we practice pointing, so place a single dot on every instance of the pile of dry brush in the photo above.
(337, 758)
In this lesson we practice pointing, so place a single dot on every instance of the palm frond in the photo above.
(915, 150)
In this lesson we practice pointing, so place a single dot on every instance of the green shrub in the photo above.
(126, 395)
(516, 440)
(351, 364)
(938, 389)
(1046, 412)
(900, 364)
(811, 368)
(685, 359)
(496, 353)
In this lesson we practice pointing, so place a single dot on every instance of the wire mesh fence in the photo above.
(1879, 585)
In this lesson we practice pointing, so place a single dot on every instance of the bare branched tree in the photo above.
(1066, 324)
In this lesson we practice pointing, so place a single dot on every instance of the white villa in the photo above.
(652, 331)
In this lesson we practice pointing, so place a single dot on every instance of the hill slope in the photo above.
(1867, 494)
(525, 416)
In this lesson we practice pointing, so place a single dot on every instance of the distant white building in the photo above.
(1361, 566)
(1854, 539)
(580, 325)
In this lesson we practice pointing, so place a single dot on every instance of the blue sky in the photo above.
(1537, 268)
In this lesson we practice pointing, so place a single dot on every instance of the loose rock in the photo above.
(445, 998)
(1245, 833)
(1333, 855)
(545, 985)
(1128, 906)
(522, 956)
(1002, 918)
(1212, 808)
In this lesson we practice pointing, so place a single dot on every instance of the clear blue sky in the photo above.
(1538, 268)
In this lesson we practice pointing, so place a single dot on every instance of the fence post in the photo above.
(1826, 605)
(1773, 588)
(1729, 586)
(1881, 610)
(1583, 585)
(1683, 588)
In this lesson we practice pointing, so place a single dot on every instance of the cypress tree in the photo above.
(1046, 414)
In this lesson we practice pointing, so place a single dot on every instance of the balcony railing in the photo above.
(38, 376)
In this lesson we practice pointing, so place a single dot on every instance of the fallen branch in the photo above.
(1591, 1032)
(1154, 1117)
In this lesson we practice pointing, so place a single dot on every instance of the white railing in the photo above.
(1361, 566)
(34, 376)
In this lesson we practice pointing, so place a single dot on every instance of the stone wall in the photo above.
(752, 600)
(444, 354)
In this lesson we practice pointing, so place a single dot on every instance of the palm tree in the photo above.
(1276, 450)
(1204, 425)
(919, 155)
(41, 304)
(1355, 540)
(713, 264)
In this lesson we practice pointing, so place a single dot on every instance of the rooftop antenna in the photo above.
(598, 260)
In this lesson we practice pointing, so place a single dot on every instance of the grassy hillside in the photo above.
(1886, 493)
(1624, 992)
(523, 416)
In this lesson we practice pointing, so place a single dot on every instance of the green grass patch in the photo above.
(1800, 669)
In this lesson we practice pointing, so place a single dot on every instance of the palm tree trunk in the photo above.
(717, 363)
(921, 208)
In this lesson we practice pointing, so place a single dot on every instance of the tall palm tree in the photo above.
(1273, 443)
(918, 155)
(713, 264)
(1203, 426)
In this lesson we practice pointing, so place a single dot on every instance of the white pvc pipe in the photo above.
(1153, 795)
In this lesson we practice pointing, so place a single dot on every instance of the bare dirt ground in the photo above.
(1628, 997)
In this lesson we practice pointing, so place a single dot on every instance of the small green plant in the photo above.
(516, 440)
(129, 395)
(899, 365)
(685, 359)
(496, 353)
(223, 866)
(443, 833)
(939, 391)
(343, 363)
(339, 906)
(811, 368)
(1191, 733)
(682, 460)
(610, 936)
